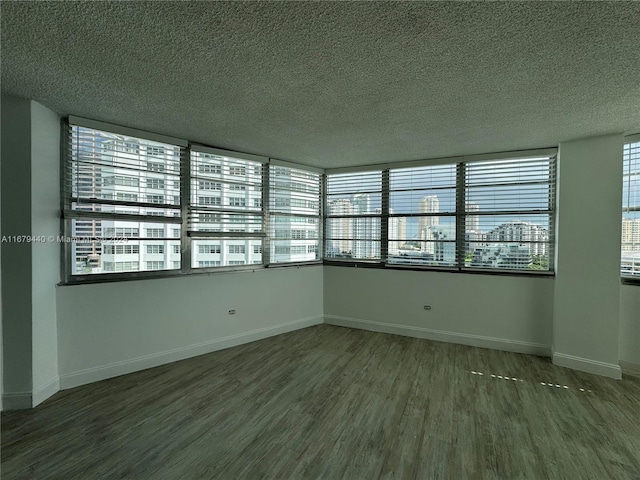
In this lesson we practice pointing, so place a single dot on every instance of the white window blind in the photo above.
(422, 216)
(630, 261)
(354, 214)
(114, 194)
(294, 214)
(508, 214)
(224, 190)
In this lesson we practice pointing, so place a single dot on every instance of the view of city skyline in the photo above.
(431, 239)
(126, 193)
(507, 219)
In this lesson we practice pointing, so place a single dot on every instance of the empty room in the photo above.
(320, 240)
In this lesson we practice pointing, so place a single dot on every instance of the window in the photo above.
(106, 177)
(354, 213)
(235, 220)
(210, 217)
(120, 232)
(155, 198)
(209, 248)
(156, 183)
(127, 146)
(121, 180)
(473, 215)
(508, 214)
(422, 216)
(120, 249)
(205, 167)
(155, 249)
(236, 249)
(214, 201)
(208, 263)
(124, 209)
(121, 266)
(294, 212)
(155, 151)
(630, 261)
(207, 185)
(126, 197)
(155, 167)
(155, 232)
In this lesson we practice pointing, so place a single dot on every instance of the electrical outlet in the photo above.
(232, 312)
(427, 307)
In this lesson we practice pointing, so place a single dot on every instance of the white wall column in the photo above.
(30, 270)
(16, 265)
(586, 314)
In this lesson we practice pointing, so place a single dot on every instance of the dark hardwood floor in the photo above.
(334, 403)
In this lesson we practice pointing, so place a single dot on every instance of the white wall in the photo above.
(1, 349)
(504, 312)
(31, 207)
(45, 222)
(630, 328)
(86, 333)
(587, 285)
(109, 329)
(16, 258)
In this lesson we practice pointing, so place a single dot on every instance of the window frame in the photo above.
(276, 213)
(626, 208)
(180, 223)
(138, 221)
(375, 174)
(460, 213)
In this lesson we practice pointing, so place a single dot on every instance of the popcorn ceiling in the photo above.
(334, 83)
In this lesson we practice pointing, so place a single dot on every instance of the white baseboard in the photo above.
(610, 370)
(631, 369)
(442, 336)
(40, 394)
(16, 401)
(124, 367)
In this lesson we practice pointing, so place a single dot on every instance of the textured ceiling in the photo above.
(334, 83)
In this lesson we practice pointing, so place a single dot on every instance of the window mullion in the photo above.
(185, 207)
(461, 195)
(384, 219)
(266, 218)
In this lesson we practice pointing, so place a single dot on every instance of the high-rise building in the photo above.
(294, 228)
(631, 234)
(532, 235)
(444, 245)
(428, 204)
(367, 233)
(339, 230)
(472, 221)
(500, 255)
(397, 233)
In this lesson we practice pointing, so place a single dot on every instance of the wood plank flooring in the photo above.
(335, 403)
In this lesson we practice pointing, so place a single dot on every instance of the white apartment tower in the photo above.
(339, 230)
(533, 235)
(428, 204)
(631, 234)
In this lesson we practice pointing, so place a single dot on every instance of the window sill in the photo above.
(434, 268)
